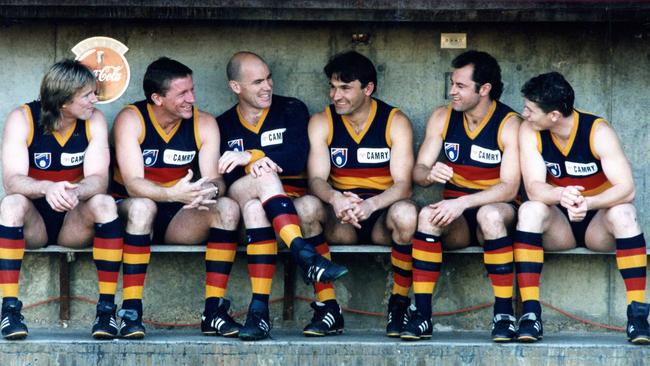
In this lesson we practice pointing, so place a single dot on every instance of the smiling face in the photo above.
(348, 97)
(179, 99)
(463, 92)
(82, 104)
(255, 85)
(538, 119)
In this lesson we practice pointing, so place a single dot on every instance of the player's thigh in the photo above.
(336, 232)
(557, 234)
(34, 230)
(495, 220)
(188, 227)
(599, 236)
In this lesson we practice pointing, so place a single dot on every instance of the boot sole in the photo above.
(16, 336)
(501, 339)
(134, 335)
(640, 340)
(311, 333)
(528, 339)
(103, 335)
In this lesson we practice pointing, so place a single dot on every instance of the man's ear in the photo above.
(485, 89)
(370, 87)
(157, 99)
(234, 86)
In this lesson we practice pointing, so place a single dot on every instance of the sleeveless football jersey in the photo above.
(360, 162)
(577, 163)
(53, 156)
(166, 156)
(475, 156)
(281, 134)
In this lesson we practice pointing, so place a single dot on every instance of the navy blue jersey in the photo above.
(361, 162)
(53, 156)
(280, 134)
(475, 156)
(166, 156)
(576, 163)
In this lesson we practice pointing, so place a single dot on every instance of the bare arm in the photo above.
(616, 168)
(509, 173)
(16, 168)
(96, 159)
(318, 161)
(533, 169)
(209, 153)
(427, 170)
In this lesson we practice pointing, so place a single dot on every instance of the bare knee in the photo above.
(622, 219)
(310, 209)
(532, 215)
(142, 212)
(254, 214)
(227, 214)
(402, 219)
(13, 209)
(102, 207)
(424, 221)
(491, 221)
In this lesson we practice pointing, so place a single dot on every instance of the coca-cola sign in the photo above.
(105, 57)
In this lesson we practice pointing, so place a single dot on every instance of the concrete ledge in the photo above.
(47, 347)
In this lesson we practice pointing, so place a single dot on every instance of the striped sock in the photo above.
(498, 258)
(12, 250)
(427, 260)
(286, 223)
(262, 253)
(529, 258)
(400, 258)
(107, 254)
(219, 256)
(631, 260)
(323, 291)
(137, 252)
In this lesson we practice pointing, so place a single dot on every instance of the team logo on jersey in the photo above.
(580, 169)
(43, 160)
(452, 150)
(483, 155)
(373, 156)
(178, 157)
(105, 58)
(339, 156)
(72, 159)
(149, 157)
(553, 169)
(273, 137)
(236, 145)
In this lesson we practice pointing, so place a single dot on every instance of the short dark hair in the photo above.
(486, 70)
(350, 66)
(159, 75)
(551, 92)
(60, 84)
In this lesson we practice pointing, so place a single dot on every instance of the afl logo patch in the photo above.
(105, 58)
(553, 169)
(452, 150)
(339, 156)
(236, 145)
(43, 160)
(149, 157)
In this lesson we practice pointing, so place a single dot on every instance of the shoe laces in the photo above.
(257, 319)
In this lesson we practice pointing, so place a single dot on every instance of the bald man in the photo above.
(264, 155)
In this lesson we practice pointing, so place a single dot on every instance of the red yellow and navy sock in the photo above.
(286, 223)
(427, 261)
(107, 254)
(400, 258)
(136, 255)
(323, 291)
(262, 253)
(529, 259)
(12, 250)
(220, 252)
(632, 261)
(498, 258)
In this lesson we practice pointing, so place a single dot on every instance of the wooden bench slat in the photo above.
(361, 249)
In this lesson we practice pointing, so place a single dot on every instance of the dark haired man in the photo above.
(581, 190)
(360, 163)
(265, 146)
(55, 173)
(159, 143)
(480, 171)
